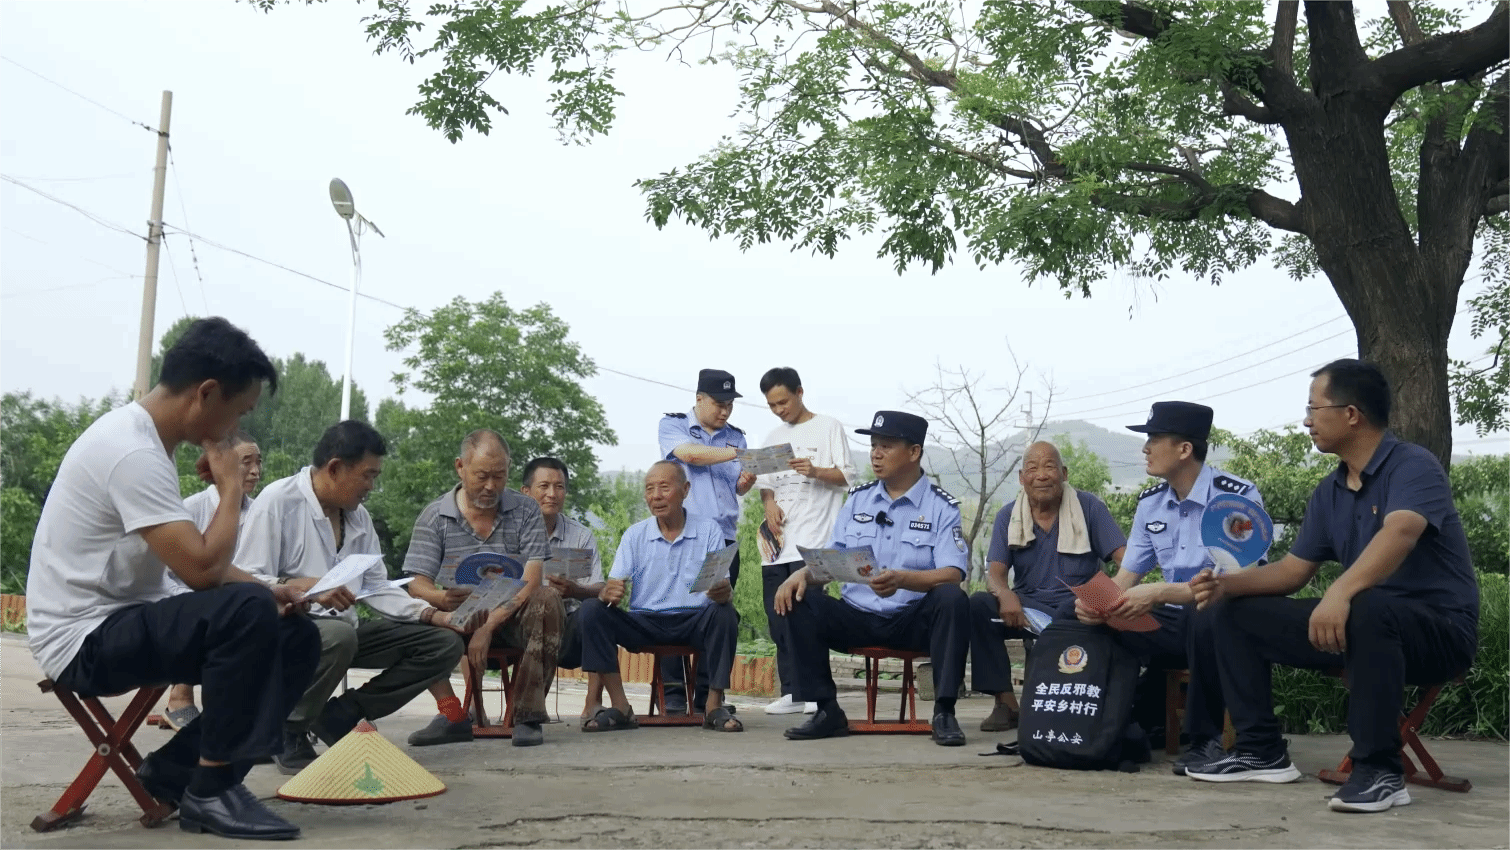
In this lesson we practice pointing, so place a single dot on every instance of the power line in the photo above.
(91, 100)
(66, 286)
(84, 259)
(78, 179)
(178, 188)
(1188, 372)
(76, 208)
(173, 267)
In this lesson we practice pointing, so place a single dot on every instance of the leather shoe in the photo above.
(821, 725)
(946, 731)
(235, 813)
(164, 781)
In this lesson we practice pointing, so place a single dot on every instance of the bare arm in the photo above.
(203, 560)
(1280, 578)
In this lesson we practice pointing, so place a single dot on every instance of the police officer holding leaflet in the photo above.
(914, 603)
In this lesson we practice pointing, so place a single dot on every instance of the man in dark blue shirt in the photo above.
(1404, 610)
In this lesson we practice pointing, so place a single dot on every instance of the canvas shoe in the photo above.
(787, 705)
(1370, 789)
(1239, 766)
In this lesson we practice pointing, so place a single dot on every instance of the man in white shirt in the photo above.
(801, 506)
(201, 507)
(101, 619)
(299, 529)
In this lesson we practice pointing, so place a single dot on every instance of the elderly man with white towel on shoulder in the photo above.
(1051, 537)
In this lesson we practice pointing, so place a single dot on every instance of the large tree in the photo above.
(1073, 138)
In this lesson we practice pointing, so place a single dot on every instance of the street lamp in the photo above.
(340, 198)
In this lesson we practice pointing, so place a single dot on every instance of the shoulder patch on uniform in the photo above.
(731, 427)
(858, 487)
(945, 495)
(1157, 488)
(677, 415)
(1230, 484)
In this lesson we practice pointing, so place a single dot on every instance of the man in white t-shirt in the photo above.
(801, 506)
(100, 616)
(201, 507)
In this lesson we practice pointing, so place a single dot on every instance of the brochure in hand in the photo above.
(571, 564)
(715, 569)
(853, 566)
(766, 460)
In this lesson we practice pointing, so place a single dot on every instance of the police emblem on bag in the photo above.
(1073, 659)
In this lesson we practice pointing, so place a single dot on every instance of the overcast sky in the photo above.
(268, 108)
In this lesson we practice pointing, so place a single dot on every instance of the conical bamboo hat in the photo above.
(363, 767)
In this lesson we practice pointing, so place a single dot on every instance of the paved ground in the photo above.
(678, 787)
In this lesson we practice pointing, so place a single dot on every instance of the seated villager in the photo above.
(102, 620)
(299, 529)
(661, 557)
(914, 603)
(482, 514)
(1051, 537)
(1404, 610)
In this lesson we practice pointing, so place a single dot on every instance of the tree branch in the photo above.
(1446, 57)
(1234, 102)
(1336, 52)
(1282, 47)
(1276, 212)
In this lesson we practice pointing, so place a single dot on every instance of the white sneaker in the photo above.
(786, 705)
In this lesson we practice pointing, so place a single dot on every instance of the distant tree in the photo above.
(484, 364)
(1088, 471)
(1480, 388)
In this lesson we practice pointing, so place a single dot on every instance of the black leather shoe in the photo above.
(946, 731)
(236, 813)
(821, 725)
(165, 782)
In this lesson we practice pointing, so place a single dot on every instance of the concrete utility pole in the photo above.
(154, 244)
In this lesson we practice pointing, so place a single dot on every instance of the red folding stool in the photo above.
(111, 738)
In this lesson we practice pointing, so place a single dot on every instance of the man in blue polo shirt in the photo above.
(661, 556)
(1051, 537)
(914, 603)
(705, 445)
(1403, 611)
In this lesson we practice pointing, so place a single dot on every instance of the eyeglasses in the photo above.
(1311, 410)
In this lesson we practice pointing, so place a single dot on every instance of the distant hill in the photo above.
(1122, 450)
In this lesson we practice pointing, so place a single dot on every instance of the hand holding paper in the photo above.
(767, 460)
(853, 566)
(571, 564)
(348, 573)
(715, 569)
(1101, 595)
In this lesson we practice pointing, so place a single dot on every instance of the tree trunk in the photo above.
(1401, 305)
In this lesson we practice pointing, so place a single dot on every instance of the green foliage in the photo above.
(749, 598)
(1481, 491)
(19, 513)
(1285, 468)
(1088, 471)
(618, 504)
(484, 365)
(35, 434)
(1480, 388)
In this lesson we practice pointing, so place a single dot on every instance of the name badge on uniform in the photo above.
(863, 518)
(1156, 526)
(920, 524)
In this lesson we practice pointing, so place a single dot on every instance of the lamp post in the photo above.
(340, 198)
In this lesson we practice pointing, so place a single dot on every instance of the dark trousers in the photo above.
(712, 630)
(251, 664)
(671, 668)
(938, 624)
(990, 665)
(771, 577)
(411, 656)
(1391, 642)
(1183, 641)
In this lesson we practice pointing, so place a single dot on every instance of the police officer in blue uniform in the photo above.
(914, 603)
(705, 445)
(1166, 532)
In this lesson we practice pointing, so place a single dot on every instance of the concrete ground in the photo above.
(685, 787)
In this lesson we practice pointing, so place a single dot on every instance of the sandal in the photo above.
(609, 720)
(719, 718)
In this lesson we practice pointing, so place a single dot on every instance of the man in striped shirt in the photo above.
(481, 514)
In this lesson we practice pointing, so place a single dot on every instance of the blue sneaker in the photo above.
(1370, 789)
(1239, 766)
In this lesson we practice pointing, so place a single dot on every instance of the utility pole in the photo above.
(1027, 426)
(154, 244)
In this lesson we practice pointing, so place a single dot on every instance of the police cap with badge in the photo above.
(1182, 418)
(717, 384)
(895, 423)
